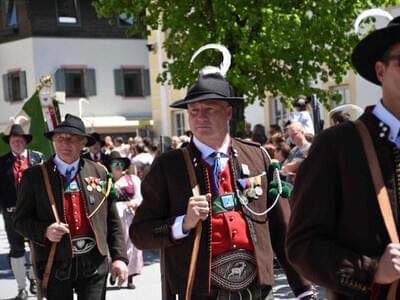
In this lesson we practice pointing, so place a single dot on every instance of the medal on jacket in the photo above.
(250, 193)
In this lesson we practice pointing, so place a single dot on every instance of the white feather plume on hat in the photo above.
(374, 12)
(223, 67)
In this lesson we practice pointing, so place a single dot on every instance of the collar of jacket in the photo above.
(377, 134)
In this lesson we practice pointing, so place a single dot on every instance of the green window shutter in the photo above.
(146, 75)
(119, 82)
(90, 82)
(5, 88)
(60, 80)
(22, 84)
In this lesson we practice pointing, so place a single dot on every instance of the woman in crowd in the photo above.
(128, 188)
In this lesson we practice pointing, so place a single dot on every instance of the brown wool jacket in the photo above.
(166, 191)
(33, 212)
(336, 232)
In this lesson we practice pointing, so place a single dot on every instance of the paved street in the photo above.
(148, 284)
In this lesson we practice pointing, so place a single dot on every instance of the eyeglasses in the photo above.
(68, 140)
(117, 164)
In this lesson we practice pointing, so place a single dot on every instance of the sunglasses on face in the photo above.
(117, 164)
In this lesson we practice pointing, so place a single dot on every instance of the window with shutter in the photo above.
(132, 82)
(14, 86)
(22, 84)
(5, 88)
(74, 83)
(67, 12)
(147, 90)
(10, 16)
(179, 123)
(90, 82)
(60, 80)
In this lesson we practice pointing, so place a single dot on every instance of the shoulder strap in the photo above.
(381, 193)
(196, 244)
(380, 188)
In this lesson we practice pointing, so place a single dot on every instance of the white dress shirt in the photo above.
(62, 166)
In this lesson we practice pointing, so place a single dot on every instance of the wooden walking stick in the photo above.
(381, 193)
(50, 260)
(196, 244)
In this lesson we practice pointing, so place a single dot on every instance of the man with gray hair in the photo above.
(80, 221)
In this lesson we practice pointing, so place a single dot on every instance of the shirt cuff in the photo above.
(177, 228)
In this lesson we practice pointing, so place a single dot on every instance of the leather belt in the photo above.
(82, 244)
(234, 270)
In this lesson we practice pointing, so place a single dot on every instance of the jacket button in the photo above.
(234, 246)
(234, 232)
(231, 218)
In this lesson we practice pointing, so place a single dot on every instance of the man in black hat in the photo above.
(337, 236)
(235, 259)
(89, 225)
(95, 153)
(12, 165)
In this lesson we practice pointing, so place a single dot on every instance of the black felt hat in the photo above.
(72, 125)
(97, 137)
(16, 129)
(115, 155)
(209, 87)
(371, 49)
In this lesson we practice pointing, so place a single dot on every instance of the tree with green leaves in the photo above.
(282, 47)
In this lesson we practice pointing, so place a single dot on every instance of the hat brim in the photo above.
(28, 138)
(70, 130)
(371, 49)
(207, 96)
(125, 160)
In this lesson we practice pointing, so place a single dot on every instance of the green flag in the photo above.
(33, 110)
